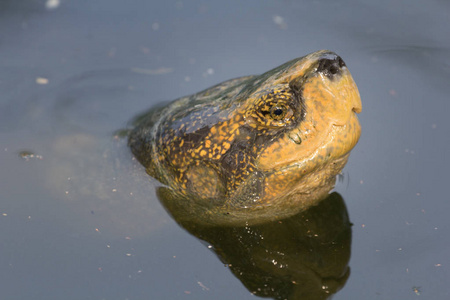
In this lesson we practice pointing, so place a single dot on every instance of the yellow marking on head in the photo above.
(330, 128)
(234, 127)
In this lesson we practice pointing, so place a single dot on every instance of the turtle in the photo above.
(255, 148)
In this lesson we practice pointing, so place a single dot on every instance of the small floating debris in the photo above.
(205, 288)
(28, 155)
(208, 72)
(52, 4)
(41, 80)
(280, 22)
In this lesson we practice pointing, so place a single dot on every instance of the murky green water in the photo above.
(79, 219)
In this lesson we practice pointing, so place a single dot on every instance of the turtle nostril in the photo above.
(330, 65)
(333, 69)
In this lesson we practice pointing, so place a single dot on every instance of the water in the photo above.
(80, 221)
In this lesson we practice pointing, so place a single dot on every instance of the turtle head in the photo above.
(258, 147)
(307, 110)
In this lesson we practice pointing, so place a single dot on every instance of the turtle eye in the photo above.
(278, 112)
(272, 110)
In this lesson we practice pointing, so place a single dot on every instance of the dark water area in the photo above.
(79, 219)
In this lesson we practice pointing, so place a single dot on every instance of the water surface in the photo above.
(80, 220)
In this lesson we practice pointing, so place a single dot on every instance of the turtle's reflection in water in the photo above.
(302, 257)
